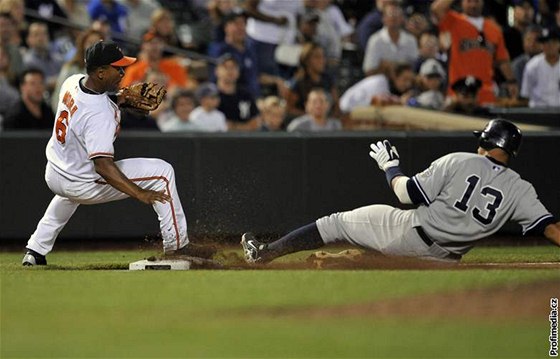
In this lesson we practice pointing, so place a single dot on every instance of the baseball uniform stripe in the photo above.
(421, 190)
(101, 154)
(537, 222)
(163, 178)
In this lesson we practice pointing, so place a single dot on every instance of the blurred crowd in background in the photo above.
(284, 65)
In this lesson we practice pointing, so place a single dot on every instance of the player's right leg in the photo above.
(373, 227)
(158, 175)
(41, 242)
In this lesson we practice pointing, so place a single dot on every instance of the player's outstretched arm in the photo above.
(106, 168)
(552, 232)
(388, 160)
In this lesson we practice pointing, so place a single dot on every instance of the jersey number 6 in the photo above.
(491, 207)
(61, 126)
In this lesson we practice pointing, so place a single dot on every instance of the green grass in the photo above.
(203, 314)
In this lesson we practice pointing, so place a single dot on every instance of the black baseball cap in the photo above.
(233, 15)
(467, 85)
(104, 53)
(549, 34)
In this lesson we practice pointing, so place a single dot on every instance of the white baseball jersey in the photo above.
(86, 127)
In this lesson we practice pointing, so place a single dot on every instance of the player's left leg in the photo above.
(371, 227)
(301, 239)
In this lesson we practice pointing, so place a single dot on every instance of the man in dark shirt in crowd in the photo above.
(31, 112)
(237, 104)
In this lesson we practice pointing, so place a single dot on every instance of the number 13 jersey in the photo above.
(467, 196)
(86, 126)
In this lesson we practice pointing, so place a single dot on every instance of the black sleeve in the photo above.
(415, 193)
(537, 228)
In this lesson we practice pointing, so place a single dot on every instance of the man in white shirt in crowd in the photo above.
(390, 44)
(379, 88)
(541, 79)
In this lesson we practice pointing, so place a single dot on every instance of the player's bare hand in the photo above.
(150, 197)
(384, 154)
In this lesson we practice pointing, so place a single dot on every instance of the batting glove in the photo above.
(385, 154)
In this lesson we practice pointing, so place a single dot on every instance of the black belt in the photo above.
(429, 243)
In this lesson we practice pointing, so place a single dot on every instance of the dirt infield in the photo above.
(372, 260)
(505, 303)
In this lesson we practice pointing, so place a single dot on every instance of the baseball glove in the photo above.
(143, 97)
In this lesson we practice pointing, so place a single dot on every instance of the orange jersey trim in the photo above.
(166, 180)
(101, 154)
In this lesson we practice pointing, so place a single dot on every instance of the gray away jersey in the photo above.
(467, 196)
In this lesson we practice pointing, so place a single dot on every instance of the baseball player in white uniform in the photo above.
(80, 167)
(462, 196)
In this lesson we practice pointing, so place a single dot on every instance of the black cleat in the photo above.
(32, 258)
(253, 249)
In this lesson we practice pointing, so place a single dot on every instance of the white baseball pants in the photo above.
(382, 228)
(148, 173)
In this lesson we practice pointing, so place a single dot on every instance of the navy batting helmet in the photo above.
(502, 134)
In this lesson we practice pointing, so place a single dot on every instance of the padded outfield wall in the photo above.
(265, 182)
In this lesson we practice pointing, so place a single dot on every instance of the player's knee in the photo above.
(166, 168)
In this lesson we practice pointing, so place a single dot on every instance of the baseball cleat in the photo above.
(252, 248)
(193, 250)
(32, 258)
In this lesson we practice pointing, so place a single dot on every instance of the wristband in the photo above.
(392, 172)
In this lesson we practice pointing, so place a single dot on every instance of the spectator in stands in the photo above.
(10, 95)
(103, 26)
(342, 27)
(391, 44)
(273, 113)
(163, 25)
(311, 73)
(7, 27)
(541, 79)
(237, 45)
(464, 98)
(380, 89)
(176, 119)
(48, 10)
(76, 11)
(16, 10)
(316, 117)
(236, 103)
(217, 10)
(110, 10)
(432, 78)
(151, 58)
(40, 54)
(371, 23)
(428, 49)
(76, 65)
(326, 35)
(139, 14)
(523, 14)
(288, 55)
(270, 23)
(417, 24)
(32, 112)
(531, 47)
(206, 117)
(475, 37)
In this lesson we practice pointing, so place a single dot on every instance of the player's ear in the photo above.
(100, 73)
